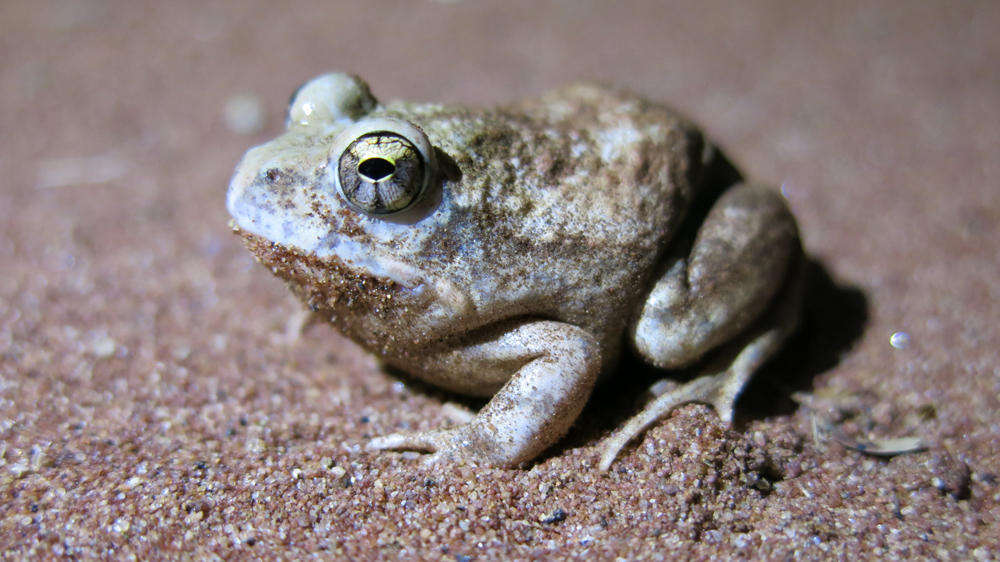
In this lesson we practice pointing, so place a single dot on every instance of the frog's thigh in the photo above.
(554, 368)
(724, 375)
(739, 260)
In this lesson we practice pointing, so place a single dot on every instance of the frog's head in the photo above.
(343, 168)
(345, 183)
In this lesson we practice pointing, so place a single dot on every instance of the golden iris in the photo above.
(381, 172)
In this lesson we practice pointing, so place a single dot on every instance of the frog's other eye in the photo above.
(382, 165)
(329, 97)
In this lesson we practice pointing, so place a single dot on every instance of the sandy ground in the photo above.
(155, 396)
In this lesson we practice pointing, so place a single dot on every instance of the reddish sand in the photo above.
(154, 397)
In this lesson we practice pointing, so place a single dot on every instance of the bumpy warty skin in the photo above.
(556, 208)
(544, 236)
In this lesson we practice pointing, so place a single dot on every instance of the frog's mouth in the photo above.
(350, 278)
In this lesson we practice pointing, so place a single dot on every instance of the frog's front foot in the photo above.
(555, 367)
(461, 444)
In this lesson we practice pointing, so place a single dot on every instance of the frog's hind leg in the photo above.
(724, 375)
(731, 296)
(718, 285)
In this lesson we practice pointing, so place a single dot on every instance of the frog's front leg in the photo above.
(735, 293)
(554, 367)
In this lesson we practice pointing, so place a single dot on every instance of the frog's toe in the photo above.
(703, 389)
(453, 445)
(424, 441)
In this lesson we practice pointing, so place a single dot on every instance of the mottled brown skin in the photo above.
(549, 232)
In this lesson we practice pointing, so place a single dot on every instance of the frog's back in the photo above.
(584, 161)
(561, 205)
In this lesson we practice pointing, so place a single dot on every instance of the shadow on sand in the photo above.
(834, 317)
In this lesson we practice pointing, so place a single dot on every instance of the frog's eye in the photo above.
(329, 97)
(382, 165)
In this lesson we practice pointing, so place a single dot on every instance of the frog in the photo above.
(516, 253)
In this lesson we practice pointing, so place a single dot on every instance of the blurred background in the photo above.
(140, 342)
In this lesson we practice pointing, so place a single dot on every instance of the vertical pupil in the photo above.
(376, 169)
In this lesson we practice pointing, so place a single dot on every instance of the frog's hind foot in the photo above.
(724, 375)
(717, 390)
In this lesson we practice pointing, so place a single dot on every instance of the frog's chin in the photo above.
(351, 273)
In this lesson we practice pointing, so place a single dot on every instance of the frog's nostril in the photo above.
(375, 169)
